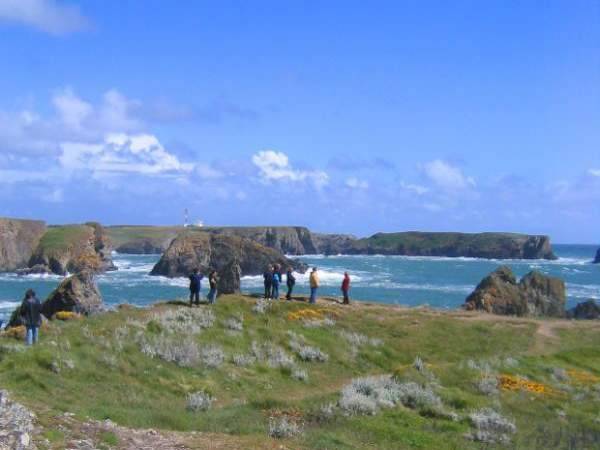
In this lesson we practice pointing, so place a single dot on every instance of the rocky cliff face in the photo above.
(203, 250)
(334, 244)
(597, 258)
(477, 245)
(18, 240)
(287, 240)
(588, 310)
(535, 295)
(72, 248)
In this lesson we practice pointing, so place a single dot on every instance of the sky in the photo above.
(343, 116)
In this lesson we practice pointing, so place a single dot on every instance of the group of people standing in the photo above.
(196, 285)
(273, 278)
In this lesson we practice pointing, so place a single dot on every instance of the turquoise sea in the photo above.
(438, 282)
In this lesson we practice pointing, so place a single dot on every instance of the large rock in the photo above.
(73, 248)
(77, 293)
(229, 278)
(597, 258)
(587, 310)
(335, 244)
(535, 295)
(18, 240)
(203, 250)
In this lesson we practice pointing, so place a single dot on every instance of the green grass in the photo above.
(61, 238)
(134, 390)
(122, 234)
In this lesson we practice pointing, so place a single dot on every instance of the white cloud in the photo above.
(71, 109)
(45, 15)
(447, 176)
(415, 188)
(356, 183)
(275, 166)
(594, 172)
(121, 153)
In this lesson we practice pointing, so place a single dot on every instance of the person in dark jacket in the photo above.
(268, 278)
(346, 288)
(31, 314)
(276, 281)
(213, 278)
(195, 286)
(290, 281)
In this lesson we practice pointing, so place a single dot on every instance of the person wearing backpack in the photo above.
(268, 280)
(276, 282)
(290, 282)
(195, 286)
(31, 315)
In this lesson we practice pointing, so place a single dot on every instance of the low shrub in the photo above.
(283, 427)
(67, 315)
(199, 401)
(491, 427)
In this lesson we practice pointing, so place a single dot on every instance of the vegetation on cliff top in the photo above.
(364, 376)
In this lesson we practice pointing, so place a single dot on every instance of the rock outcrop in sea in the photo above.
(535, 295)
(230, 278)
(18, 240)
(77, 293)
(597, 258)
(588, 310)
(203, 250)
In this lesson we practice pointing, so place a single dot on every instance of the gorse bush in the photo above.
(199, 401)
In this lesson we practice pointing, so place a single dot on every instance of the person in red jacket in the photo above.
(346, 288)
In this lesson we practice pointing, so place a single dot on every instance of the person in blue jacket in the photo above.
(195, 286)
(276, 281)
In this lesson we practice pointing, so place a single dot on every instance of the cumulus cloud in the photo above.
(50, 16)
(275, 166)
(121, 153)
(594, 172)
(356, 183)
(446, 176)
(71, 109)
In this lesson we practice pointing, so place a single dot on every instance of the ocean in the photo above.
(435, 281)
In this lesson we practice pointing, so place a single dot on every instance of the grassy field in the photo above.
(124, 233)
(450, 380)
(59, 239)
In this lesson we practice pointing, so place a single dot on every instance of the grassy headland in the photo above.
(283, 370)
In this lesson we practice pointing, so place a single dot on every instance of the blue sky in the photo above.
(343, 116)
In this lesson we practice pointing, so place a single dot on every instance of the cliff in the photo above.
(142, 240)
(476, 245)
(18, 240)
(597, 258)
(72, 248)
(203, 250)
(287, 240)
